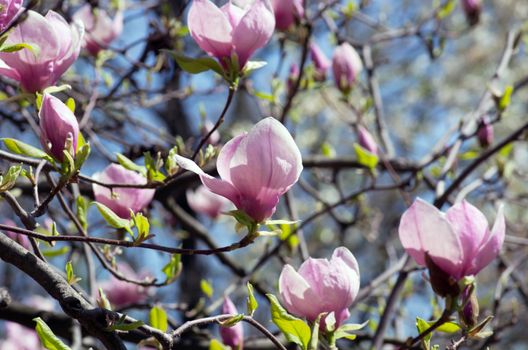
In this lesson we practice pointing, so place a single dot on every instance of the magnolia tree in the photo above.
(266, 174)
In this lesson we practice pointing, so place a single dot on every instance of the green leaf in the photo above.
(448, 327)
(314, 341)
(173, 268)
(230, 322)
(505, 99)
(49, 340)
(8, 180)
(197, 65)
(251, 302)
(103, 301)
(52, 253)
(446, 9)
(17, 47)
(112, 218)
(70, 103)
(81, 156)
(81, 211)
(253, 65)
(327, 150)
(153, 167)
(295, 329)
(20, 147)
(130, 165)
(142, 225)
(242, 218)
(206, 288)
(422, 325)
(158, 318)
(123, 325)
(345, 331)
(70, 276)
(366, 158)
(216, 345)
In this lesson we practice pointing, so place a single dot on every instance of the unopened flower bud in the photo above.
(472, 9)
(320, 61)
(234, 335)
(485, 133)
(346, 66)
(470, 312)
(366, 140)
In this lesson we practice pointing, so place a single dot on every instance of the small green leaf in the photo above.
(70, 276)
(243, 218)
(103, 301)
(366, 158)
(448, 327)
(216, 345)
(207, 288)
(130, 165)
(422, 325)
(253, 65)
(20, 147)
(70, 103)
(158, 318)
(251, 302)
(112, 218)
(81, 156)
(295, 329)
(446, 9)
(327, 150)
(197, 65)
(8, 180)
(230, 322)
(505, 99)
(123, 325)
(52, 253)
(17, 47)
(143, 227)
(314, 341)
(345, 331)
(48, 339)
(81, 211)
(173, 268)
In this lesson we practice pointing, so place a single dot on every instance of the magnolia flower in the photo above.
(55, 46)
(346, 66)
(472, 9)
(287, 12)
(206, 202)
(121, 293)
(255, 169)
(485, 133)
(366, 140)
(458, 241)
(101, 30)
(23, 240)
(232, 336)
(9, 9)
(123, 199)
(19, 337)
(222, 32)
(57, 125)
(321, 286)
(320, 61)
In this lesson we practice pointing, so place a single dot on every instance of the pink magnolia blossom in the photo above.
(230, 29)
(9, 9)
(23, 240)
(55, 46)
(346, 66)
(100, 28)
(124, 199)
(287, 12)
(232, 336)
(485, 133)
(255, 169)
(19, 337)
(320, 61)
(206, 202)
(366, 140)
(121, 293)
(57, 125)
(458, 241)
(321, 286)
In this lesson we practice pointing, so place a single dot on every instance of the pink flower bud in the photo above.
(57, 125)
(121, 293)
(485, 133)
(215, 136)
(472, 9)
(346, 65)
(9, 9)
(21, 239)
(255, 169)
(206, 202)
(292, 77)
(287, 12)
(123, 199)
(366, 140)
(229, 30)
(100, 28)
(458, 241)
(232, 336)
(55, 44)
(470, 312)
(321, 286)
(320, 61)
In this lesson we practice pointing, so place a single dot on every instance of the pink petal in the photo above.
(226, 154)
(233, 13)
(210, 28)
(492, 245)
(423, 228)
(254, 30)
(296, 294)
